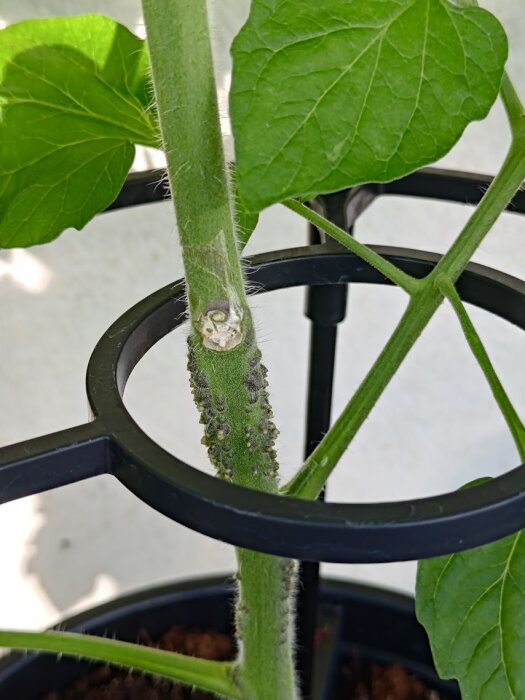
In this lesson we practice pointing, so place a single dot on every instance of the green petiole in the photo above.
(508, 411)
(394, 274)
(213, 676)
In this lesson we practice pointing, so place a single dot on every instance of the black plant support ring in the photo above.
(114, 443)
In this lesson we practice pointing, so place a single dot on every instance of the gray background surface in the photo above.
(435, 428)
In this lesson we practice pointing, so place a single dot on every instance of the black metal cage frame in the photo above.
(112, 443)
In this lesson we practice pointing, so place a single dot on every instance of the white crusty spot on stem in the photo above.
(220, 327)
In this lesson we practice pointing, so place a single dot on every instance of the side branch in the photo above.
(508, 411)
(513, 106)
(426, 298)
(211, 676)
(394, 274)
(309, 481)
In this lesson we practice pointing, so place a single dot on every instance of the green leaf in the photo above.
(472, 605)
(326, 95)
(74, 100)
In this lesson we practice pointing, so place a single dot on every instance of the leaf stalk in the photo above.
(516, 427)
(406, 282)
(213, 676)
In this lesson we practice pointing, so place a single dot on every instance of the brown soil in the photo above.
(359, 680)
(370, 681)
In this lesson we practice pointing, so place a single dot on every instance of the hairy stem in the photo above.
(230, 390)
(227, 377)
(187, 105)
(508, 411)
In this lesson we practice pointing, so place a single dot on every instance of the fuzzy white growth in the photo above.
(221, 328)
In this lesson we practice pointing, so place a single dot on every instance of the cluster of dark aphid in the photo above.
(263, 438)
(212, 417)
(241, 613)
(287, 589)
(258, 438)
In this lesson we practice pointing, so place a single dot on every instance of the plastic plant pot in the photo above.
(379, 625)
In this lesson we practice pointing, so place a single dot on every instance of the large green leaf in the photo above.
(472, 605)
(74, 100)
(332, 93)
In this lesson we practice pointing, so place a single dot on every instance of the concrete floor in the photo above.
(71, 548)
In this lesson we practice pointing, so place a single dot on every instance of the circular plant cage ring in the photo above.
(312, 531)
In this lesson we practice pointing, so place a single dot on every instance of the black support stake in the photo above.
(327, 649)
(325, 307)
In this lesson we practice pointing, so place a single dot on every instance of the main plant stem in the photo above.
(228, 379)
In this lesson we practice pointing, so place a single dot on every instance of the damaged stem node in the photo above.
(221, 327)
